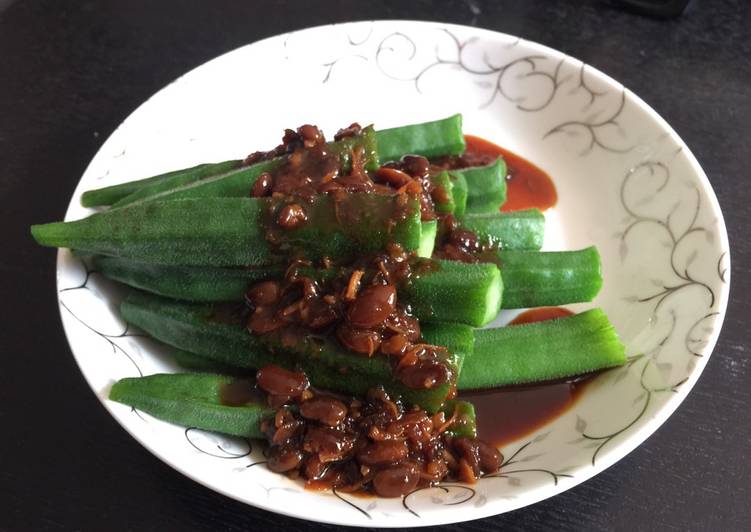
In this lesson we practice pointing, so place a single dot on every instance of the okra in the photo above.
(538, 279)
(191, 283)
(456, 292)
(106, 196)
(441, 291)
(465, 421)
(520, 354)
(440, 137)
(542, 351)
(460, 193)
(445, 186)
(486, 187)
(428, 233)
(237, 180)
(233, 231)
(508, 230)
(429, 139)
(450, 195)
(200, 329)
(199, 364)
(191, 400)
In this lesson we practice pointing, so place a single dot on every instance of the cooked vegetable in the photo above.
(444, 291)
(234, 182)
(238, 183)
(108, 195)
(194, 400)
(192, 283)
(458, 292)
(486, 187)
(521, 354)
(508, 230)
(191, 400)
(444, 193)
(460, 193)
(449, 291)
(308, 267)
(429, 139)
(440, 137)
(542, 351)
(537, 279)
(428, 233)
(233, 231)
(199, 329)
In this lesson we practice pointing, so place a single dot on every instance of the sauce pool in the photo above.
(508, 414)
(540, 314)
(528, 186)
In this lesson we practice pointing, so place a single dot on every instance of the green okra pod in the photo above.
(508, 230)
(549, 278)
(542, 351)
(442, 291)
(191, 400)
(235, 231)
(207, 331)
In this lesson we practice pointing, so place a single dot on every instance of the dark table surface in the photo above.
(70, 72)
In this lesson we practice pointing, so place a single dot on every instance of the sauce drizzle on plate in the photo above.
(528, 185)
(508, 414)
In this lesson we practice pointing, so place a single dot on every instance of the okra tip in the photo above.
(51, 234)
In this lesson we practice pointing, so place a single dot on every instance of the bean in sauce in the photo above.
(372, 445)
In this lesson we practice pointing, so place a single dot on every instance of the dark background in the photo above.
(70, 72)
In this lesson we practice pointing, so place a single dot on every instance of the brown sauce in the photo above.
(508, 414)
(528, 185)
(240, 392)
(540, 314)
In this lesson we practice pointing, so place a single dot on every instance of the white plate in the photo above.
(627, 183)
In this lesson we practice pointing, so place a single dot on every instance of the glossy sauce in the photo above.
(508, 414)
(528, 185)
(239, 392)
(541, 314)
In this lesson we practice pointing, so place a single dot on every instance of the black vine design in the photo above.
(350, 503)
(690, 340)
(685, 279)
(446, 488)
(647, 393)
(722, 272)
(530, 66)
(502, 473)
(362, 41)
(513, 459)
(584, 86)
(109, 338)
(225, 454)
(496, 72)
(333, 63)
(593, 127)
